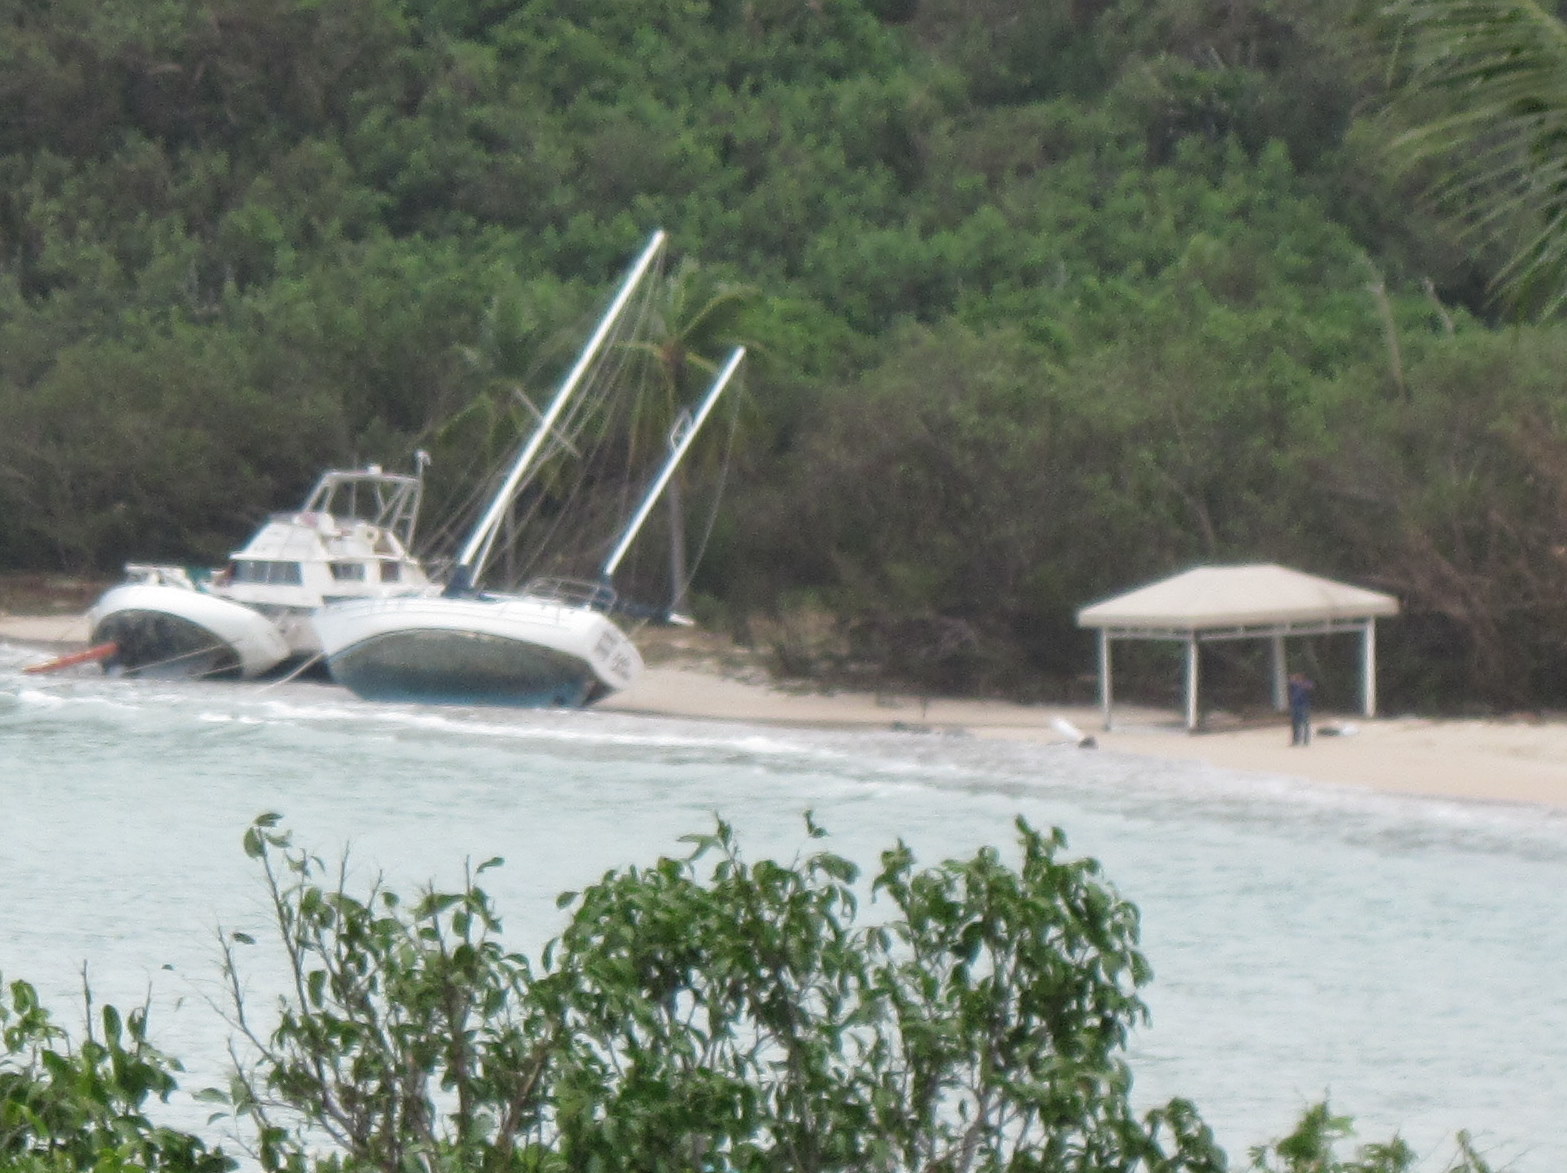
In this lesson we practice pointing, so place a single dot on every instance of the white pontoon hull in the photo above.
(352, 539)
(522, 651)
(165, 630)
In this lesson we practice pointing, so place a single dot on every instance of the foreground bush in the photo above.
(732, 1015)
(68, 1105)
(705, 1013)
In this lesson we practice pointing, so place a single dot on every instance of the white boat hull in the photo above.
(165, 630)
(520, 651)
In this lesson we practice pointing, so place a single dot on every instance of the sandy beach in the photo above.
(1512, 761)
(1488, 760)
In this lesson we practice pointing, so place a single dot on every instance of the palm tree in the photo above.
(1482, 87)
(695, 321)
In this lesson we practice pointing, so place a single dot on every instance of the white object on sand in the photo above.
(1081, 739)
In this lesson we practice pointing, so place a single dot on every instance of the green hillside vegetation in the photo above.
(1045, 300)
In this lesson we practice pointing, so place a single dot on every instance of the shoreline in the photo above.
(1521, 761)
(1496, 761)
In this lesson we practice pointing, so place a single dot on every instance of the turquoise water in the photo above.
(1404, 957)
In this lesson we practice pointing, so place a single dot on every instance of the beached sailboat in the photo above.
(556, 642)
(352, 538)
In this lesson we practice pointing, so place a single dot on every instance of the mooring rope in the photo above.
(218, 647)
(307, 663)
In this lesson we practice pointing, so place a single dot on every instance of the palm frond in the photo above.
(1482, 87)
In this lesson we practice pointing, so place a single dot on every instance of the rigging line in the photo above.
(614, 395)
(597, 411)
(558, 439)
(602, 388)
(569, 497)
(473, 556)
(712, 514)
(461, 515)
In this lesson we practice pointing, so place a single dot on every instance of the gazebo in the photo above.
(1239, 602)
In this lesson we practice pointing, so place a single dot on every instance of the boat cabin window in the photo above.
(391, 572)
(276, 573)
(348, 571)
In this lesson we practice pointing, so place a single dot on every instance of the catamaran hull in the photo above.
(520, 652)
(173, 631)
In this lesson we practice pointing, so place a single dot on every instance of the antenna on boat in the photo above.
(470, 563)
(680, 442)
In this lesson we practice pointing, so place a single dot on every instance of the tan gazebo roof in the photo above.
(1237, 596)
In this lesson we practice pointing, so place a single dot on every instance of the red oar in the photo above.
(100, 652)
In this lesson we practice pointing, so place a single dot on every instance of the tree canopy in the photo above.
(1044, 299)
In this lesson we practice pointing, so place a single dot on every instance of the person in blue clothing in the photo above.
(1300, 690)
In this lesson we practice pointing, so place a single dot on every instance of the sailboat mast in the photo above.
(680, 446)
(470, 563)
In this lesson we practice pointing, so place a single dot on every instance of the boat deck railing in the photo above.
(574, 592)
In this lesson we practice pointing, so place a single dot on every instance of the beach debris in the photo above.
(1079, 738)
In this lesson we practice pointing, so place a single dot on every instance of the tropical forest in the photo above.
(1043, 299)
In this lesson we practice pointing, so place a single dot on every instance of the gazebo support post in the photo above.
(1191, 683)
(1368, 668)
(1280, 685)
(1106, 689)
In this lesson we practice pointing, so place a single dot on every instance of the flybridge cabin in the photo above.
(351, 539)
